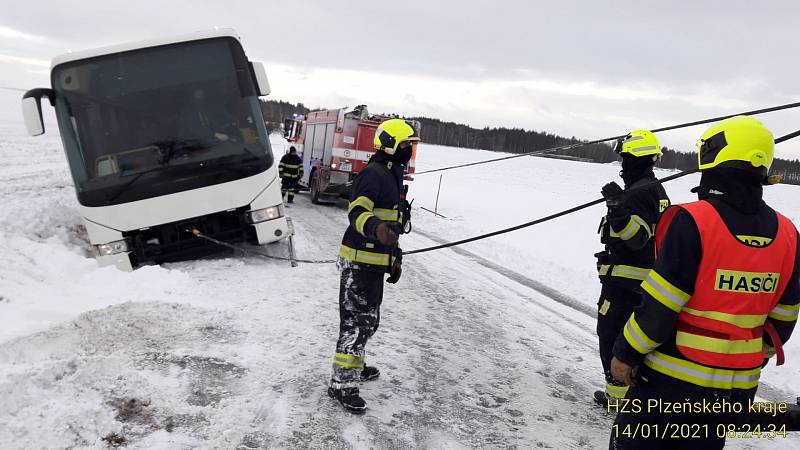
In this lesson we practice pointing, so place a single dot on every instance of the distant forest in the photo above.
(517, 140)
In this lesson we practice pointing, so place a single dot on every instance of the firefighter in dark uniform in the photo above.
(290, 169)
(378, 213)
(626, 231)
(722, 297)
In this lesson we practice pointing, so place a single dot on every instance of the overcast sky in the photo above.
(584, 68)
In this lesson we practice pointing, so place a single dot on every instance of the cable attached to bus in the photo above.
(250, 252)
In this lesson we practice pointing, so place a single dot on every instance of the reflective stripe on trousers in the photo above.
(702, 375)
(616, 391)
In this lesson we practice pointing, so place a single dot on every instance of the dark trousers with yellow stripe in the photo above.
(656, 424)
(613, 310)
(289, 187)
(360, 297)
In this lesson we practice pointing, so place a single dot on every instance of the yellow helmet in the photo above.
(638, 143)
(741, 142)
(391, 133)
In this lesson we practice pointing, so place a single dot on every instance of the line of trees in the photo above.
(510, 140)
(518, 140)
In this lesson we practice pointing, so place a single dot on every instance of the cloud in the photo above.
(588, 69)
(10, 33)
(24, 61)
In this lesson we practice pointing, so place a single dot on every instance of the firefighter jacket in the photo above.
(627, 233)
(375, 197)
(291, 166)
(720, 278)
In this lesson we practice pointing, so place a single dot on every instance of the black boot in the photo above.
(349, 399)
(601, 398)
(369, 373)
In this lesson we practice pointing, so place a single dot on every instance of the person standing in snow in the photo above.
(377, 213)
(723, 296)
(626, 231)
(290, 170)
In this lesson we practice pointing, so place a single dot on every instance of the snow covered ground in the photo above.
(489, 346)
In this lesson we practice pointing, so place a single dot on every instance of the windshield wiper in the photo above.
(169, 149)
(128, 184)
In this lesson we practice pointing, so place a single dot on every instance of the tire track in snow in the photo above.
(537, 286)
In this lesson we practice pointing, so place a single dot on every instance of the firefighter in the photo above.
(721, 299)
(378, 213)
(290, 170)
(626, 231)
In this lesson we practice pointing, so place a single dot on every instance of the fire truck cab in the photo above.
(336, 144)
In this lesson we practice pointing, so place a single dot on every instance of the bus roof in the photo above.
(119, 48)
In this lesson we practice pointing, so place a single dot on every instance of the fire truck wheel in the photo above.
(314, 188)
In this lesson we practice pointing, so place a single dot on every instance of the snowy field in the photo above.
(489, 346)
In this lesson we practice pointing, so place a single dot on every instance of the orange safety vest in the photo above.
(737, 286)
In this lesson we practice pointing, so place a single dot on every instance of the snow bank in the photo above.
(48, 275)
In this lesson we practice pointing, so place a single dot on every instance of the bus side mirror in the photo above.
(32, 112)
(32, 109)
(261, 78)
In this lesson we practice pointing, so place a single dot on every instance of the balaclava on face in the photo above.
(739, 188)
(402, 156)
(634, 168)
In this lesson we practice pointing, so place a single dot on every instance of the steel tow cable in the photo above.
(200, 235)
(570, 210)
(600, 141)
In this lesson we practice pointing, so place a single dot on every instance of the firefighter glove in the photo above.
(623, 372)
(395, 272)
(386, 234)
(613, 194)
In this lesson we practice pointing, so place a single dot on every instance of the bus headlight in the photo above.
(262, 215)
(112, 248)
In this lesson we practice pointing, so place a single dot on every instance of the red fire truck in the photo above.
(336, 144)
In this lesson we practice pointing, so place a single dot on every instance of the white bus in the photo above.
(163, 137)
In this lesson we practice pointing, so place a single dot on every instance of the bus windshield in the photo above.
(160, 120)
